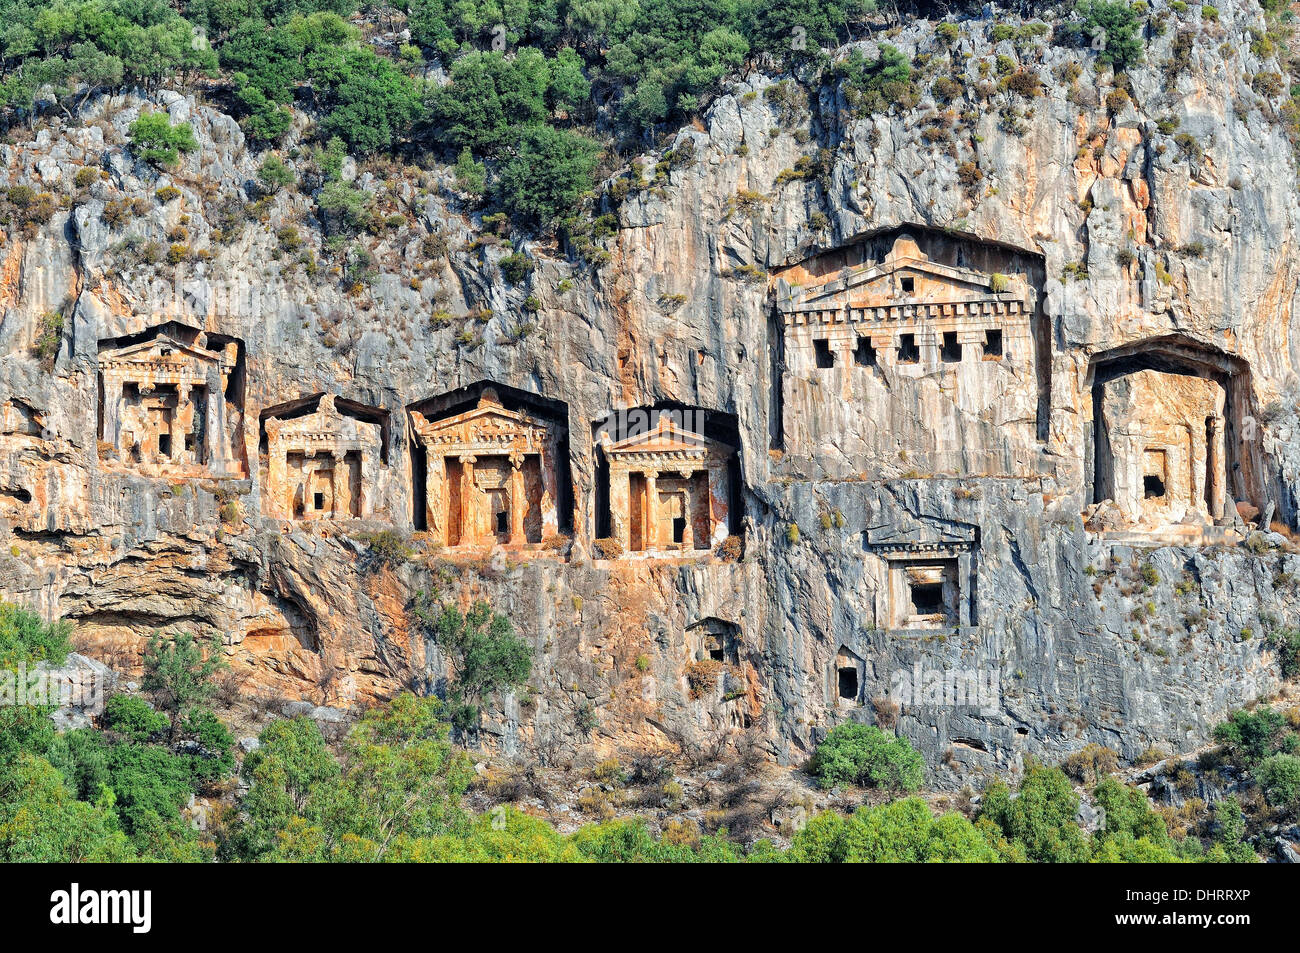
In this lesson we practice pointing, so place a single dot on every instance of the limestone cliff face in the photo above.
(914, 545)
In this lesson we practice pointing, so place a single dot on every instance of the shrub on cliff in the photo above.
(26, 637)
(547, 175)
(1279, 776)
(156, 141)
(1253, 736)
(487, 657)
(865, 755)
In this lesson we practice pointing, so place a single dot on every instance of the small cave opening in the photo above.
(1153, 488)
(993, 343)
(908, 351)
(950, 352)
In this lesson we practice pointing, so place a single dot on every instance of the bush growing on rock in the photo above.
(1279, 776)
(865, 755)
(487, 657)
(156, 141)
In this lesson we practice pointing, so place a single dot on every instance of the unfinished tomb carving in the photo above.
(1169, 451)
(169, 404)
(924, 573)
(670, 488)
(892, 360)
(490, 475)
(323, 464)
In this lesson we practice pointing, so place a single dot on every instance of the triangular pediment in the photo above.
(961, 282)
(667, 438)
(486, 420)
(161, 346)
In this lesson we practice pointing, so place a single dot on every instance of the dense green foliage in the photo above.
(156, 141)
(486, 654)
(25, 637)
(865, 755)
(1253, 736)
(536, 86)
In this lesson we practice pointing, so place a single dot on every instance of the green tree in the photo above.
(1279, 776)
(274, 174)
(41, 822)
(863, 754)
(1041, 818)
(26, 637)
(1115, 22)
(178, 673)
(487, 657)
(1253, 736)
(547, 175)
(291, 774)
(156, 141)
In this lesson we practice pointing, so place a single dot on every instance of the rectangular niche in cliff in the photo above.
(323, 459)
(849, 676)
(495, 468)
(171, 403)
(1166, 447)
(933, 342)
(667, 479)
(929, 572)
(716, 639)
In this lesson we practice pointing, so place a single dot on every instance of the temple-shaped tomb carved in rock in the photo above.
(924, 573)
(670, 488)
(491, 474)
(169, 404)
(891, 359)
(323, 463)
(1169, 455)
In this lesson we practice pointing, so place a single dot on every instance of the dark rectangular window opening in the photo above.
(927, 598)
(165, 444)
(864, 355)
(503, 521)
(318, 501)
(679, 528)
(909, 285)
(189, 442)
(908, 352)
(950, 353)
(993, 342)
(848, 683)
(822, 350)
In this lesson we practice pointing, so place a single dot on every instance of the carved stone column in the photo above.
(113, 385)
(278, 495)
(340, 490)
(435, 507)
(516, 501)
(649, 511)
(1214, 457)
(468, 502)
(719, 504)
(620, 506)
(178, 416)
